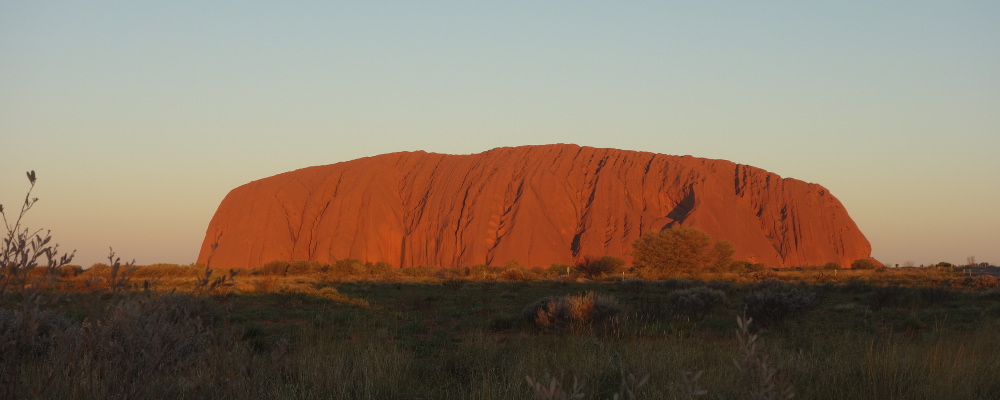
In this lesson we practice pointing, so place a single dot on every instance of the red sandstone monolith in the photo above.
(535, 204)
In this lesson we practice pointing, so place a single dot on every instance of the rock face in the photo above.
(534, 204)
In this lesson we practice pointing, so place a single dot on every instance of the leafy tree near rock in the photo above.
(722, 256)
(596, 267)
(681, 249)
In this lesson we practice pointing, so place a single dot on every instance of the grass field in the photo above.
(311, 331)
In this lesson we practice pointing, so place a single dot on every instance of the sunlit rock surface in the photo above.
(534, 204)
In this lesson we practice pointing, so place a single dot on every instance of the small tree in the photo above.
(596, 267)
(722, 256)
(863, 263)
(680, 249)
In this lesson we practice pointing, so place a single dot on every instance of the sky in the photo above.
(139, 117)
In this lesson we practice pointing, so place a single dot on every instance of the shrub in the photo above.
(285, 268)
(894, 296)
(133, 351)
(276, 267)
(515, 274)
(720, 285)
(823, 277)
(29, 332)
(572, 312)
(633, 285)
(981, 282)
(993, 310)
(303, 267)
(696, 301)
(378, 268)
(453, 283)
(831, 266)
(991, 294)
(23, 249)
(353, 267)
(673, 284)
(746, 266)
(680, 249)
(933, 295)
(863, 263)
(772, 300)
(67, 271)
(596, 267)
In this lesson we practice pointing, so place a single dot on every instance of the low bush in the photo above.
(992, 294)
(138, 343)
(863, 263)
(557, 269)
(572, 312)
(993, 310)
(934, 295)
(516, 274)
(419, 271)
(633, 285)
(981, 282)
(770, 301)
(696, 301)
(673, 284)
(28, 332)
(597, 267)
(720, 285)
(891, 296)
(745, 266)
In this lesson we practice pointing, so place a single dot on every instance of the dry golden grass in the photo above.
(297, 276)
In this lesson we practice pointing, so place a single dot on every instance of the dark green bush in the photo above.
(673, 284)
(934, 295)
(863, 263)
(992, 294)
(29, 332)
(993, 310)
(720, 285)
(696, 301)
(891, 296)
(140, 341)
(770, 301)
(633, 285)
(597, 267)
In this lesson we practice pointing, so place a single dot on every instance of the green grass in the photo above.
(388, 340)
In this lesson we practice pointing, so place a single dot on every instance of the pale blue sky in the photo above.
(139, 118)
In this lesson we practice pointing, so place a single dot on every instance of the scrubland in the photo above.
(357, 330)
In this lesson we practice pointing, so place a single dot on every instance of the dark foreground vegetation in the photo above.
(355, 330)
(922, 334)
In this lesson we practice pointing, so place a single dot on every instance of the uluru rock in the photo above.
(534, 204)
